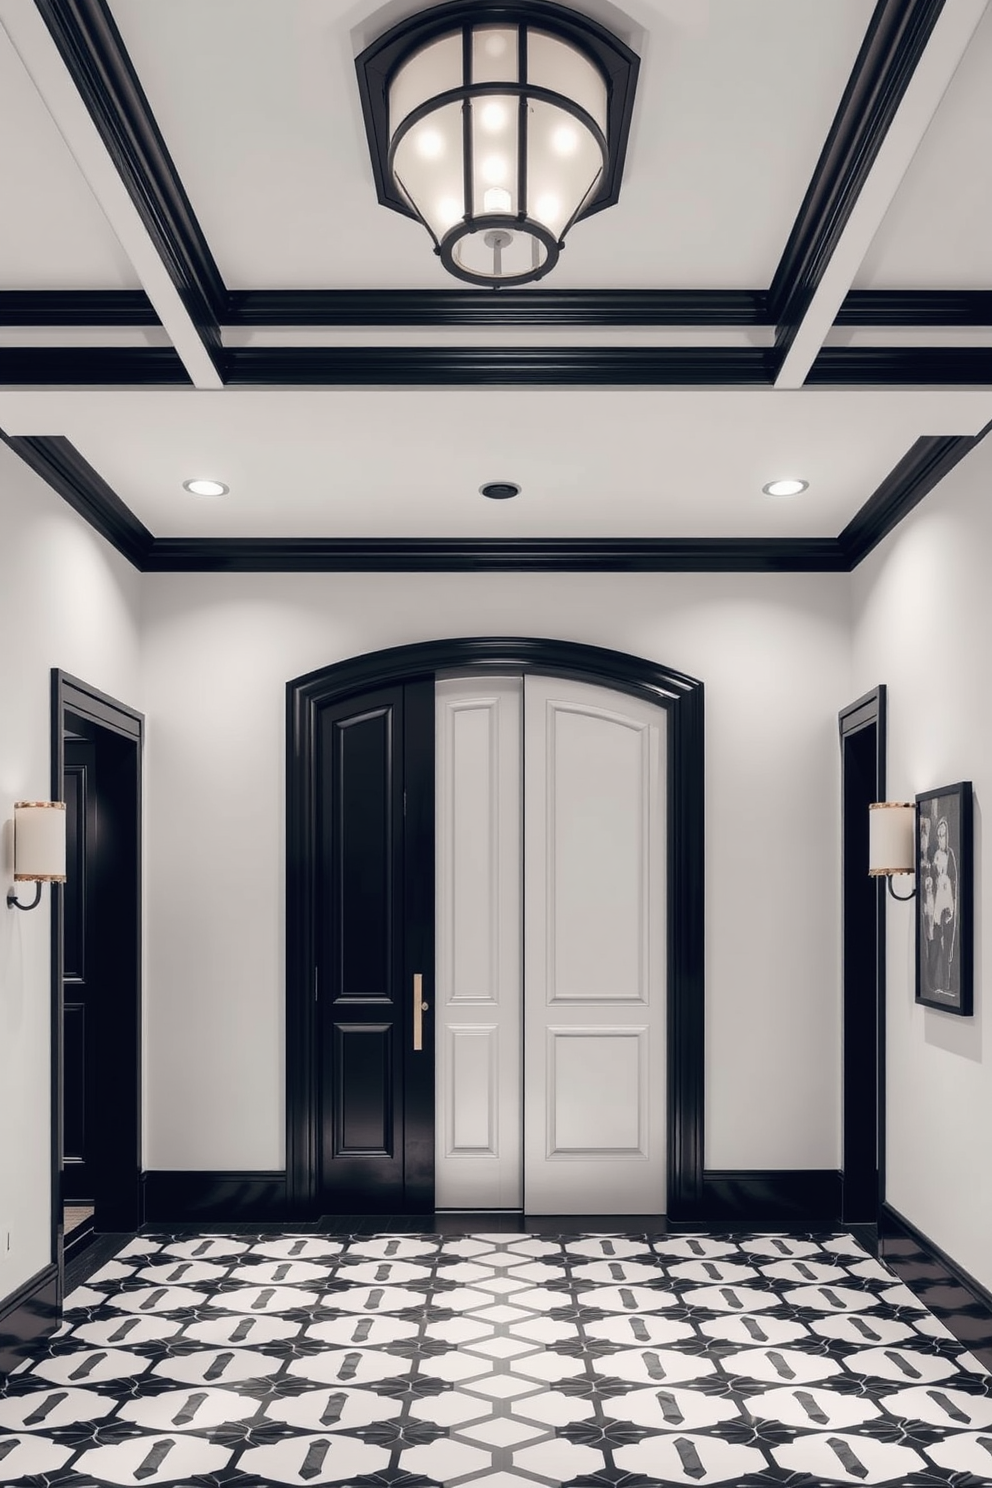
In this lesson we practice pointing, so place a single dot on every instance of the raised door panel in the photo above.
(478, 942)
(80, 984)
(595, 956)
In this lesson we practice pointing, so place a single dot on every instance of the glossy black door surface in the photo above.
(374, 890)
(80, 988)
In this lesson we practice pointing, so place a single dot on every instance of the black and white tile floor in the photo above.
(611, 1361)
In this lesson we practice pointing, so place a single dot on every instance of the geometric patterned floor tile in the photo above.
(496, 1361)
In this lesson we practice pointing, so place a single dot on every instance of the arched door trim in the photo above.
(681, 696)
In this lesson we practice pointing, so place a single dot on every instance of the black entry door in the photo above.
(80, 988)
(375, 960)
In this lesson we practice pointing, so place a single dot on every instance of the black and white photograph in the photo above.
(944, 898)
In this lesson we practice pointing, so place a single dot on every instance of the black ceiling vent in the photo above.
(500, 490)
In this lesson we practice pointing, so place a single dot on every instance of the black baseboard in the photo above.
(28, 1316)
(808, 1197)
(962, 1303)
(211, 1197)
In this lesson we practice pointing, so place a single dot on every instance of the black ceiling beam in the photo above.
(902, 366)
(60, 464)
(916, 307)
(94, 54)
(896, 38)
(91, 366)
(76, 307)
(507, 307)
(490, 366)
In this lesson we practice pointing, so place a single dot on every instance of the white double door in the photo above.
(551, 957)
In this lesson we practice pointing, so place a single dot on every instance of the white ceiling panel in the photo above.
(259, 106)
(54, 234)
(937, 234)
(409, 462)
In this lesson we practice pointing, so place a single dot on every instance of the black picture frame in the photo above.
(945, 899)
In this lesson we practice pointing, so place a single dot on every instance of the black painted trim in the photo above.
(924, 464)
(71, 695)
(894, 43)
(91, 366)
(76, 307)
(916, 307)
(863, 901)
(94, 54)
(902, 366)
(450, 555)
(28, 1316)
(681, 696)
(227, 1196)
(512, 366)
(508, 307)
(963, 1304)
(60, 464)
(789, 1196)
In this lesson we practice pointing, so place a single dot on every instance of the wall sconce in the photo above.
(39, 847)
(892, 842)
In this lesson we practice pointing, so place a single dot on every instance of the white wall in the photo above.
(922, 623)
(66, 600)
(773, 652)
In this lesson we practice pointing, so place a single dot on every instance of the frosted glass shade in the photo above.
(497, 141)
(891, 838)
(39, 842)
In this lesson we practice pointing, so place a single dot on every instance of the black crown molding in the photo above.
(896, 38)
(94, 53)
(460, 555)
(919, 470)
(902, 366)
(76, 307)
(60, 464)
(57, 461)
(507, 307)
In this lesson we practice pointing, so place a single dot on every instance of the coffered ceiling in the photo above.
(196, 279)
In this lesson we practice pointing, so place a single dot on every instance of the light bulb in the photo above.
(494, 169)
(430, 144)
(785, 487)
(206, 487)
(493, 118)
(565, 141)
(496, 200)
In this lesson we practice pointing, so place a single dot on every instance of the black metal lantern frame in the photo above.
(379, 65)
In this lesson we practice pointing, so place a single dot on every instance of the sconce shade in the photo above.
(39, 842)
(891, 838)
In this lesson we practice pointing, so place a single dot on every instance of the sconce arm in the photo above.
(901, 898)
(14, 903)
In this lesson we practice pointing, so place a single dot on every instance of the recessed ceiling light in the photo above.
(500, 490)
(785, 487)
(206, 487)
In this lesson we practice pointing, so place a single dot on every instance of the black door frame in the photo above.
(682, 698)
(118, 732)
(862, 728)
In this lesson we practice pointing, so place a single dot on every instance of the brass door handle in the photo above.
(419, 1009)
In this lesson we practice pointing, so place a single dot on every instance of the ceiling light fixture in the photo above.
(785, 487)
(497, 127)
(206, 488)
(499, 490)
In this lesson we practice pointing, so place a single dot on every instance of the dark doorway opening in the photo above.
(862, 740)
(96, 967)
